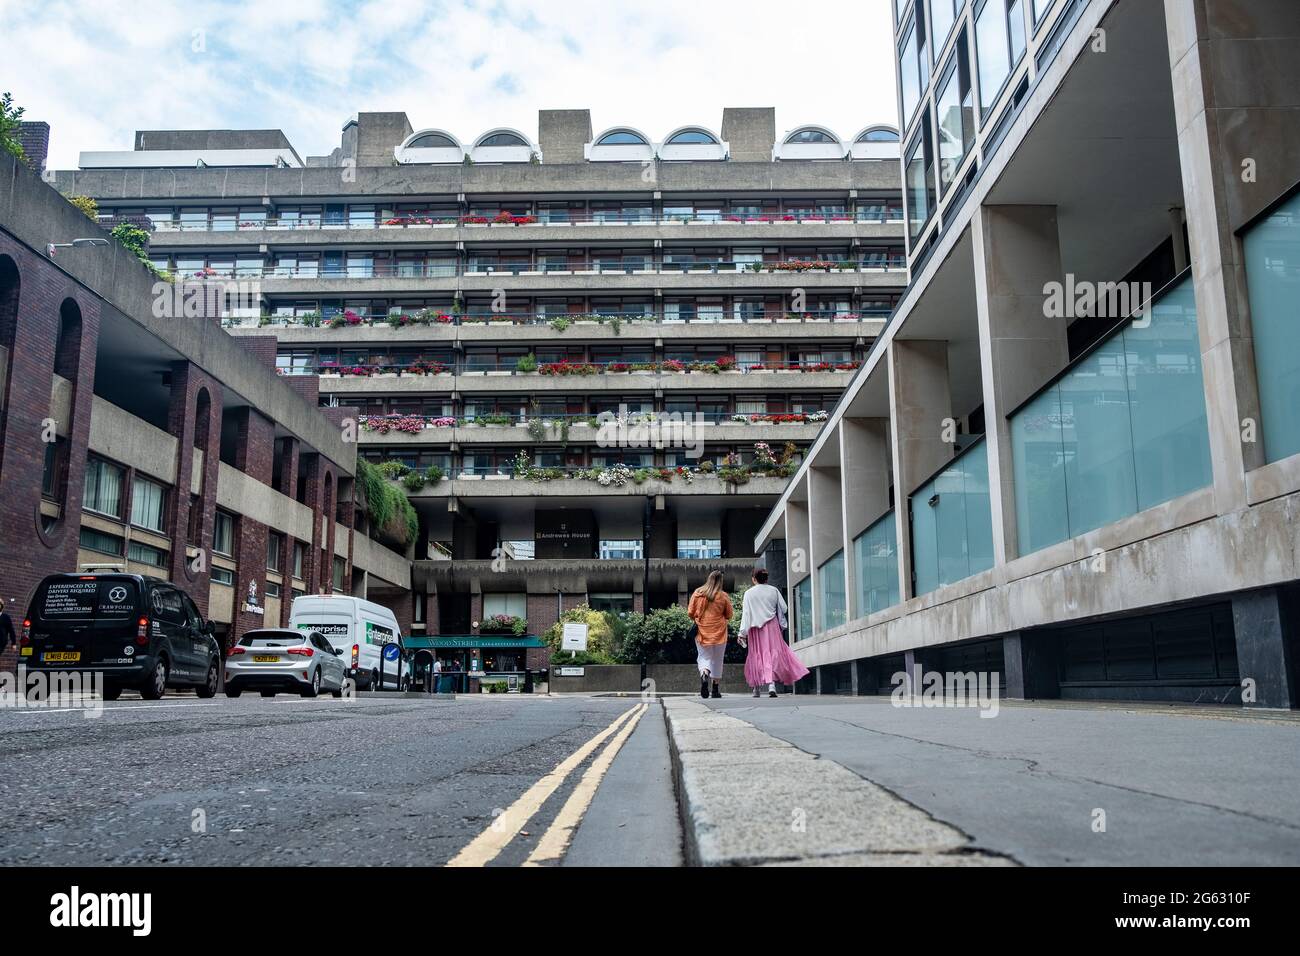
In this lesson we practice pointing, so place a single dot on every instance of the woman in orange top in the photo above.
(710, 609)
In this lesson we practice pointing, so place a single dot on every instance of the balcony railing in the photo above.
(544, 219)
(574, 369)
(435, 317)
(550, 425)
(451, 269)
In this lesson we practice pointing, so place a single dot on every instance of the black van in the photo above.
(139, 632)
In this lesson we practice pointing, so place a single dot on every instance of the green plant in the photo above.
(659, 638)
(389, 509)
(560, 323)
(536, 429)
(600, 636)
(10, 118)
(496, 418)
(414, 481)
(616, 323)
(433, 474)
(392, 469)
(89, 208)
(526, 363)
(136, 240)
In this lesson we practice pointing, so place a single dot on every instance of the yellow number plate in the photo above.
(264, 659)
(61, 657)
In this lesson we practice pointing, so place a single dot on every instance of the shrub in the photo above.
(89, 208)
(504, 624)
(600, 636)
(659, 638)
(389, 509)
(526, 363)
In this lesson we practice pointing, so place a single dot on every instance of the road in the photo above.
(369, 781)
(511, 780)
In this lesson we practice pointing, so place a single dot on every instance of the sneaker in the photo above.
(716, 692)
(771, 693)
(704, 687)
(755, 691)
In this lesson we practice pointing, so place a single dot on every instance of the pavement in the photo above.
(520, 780)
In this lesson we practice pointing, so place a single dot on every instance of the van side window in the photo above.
(192, 612)
(167, 605)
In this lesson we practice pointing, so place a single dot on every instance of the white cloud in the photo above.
(98, 71)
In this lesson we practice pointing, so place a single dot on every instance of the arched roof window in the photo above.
(622, 137)
(433, 141)
(692, 137)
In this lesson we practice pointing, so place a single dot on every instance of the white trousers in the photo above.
(708, 657)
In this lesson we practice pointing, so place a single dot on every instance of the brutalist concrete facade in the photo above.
(479, 299)
(1077, 499)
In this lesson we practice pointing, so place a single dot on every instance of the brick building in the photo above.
(159, 444)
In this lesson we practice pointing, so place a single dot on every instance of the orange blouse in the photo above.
(711, 618)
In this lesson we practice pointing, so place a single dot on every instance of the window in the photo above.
(625, 549)
(93, 540)
(832, 595)
(878, 136)
(919, 182)
(622, 137)
(1272, 252)
(274, 545)
(806, 137)
(223, 576)
(699, 548)
(146, 554)
(692, 137)
(147, 501)
(431, 141)
(502, 139)
(956, 115)
(943, 14)
(223, 534)
(999, 42)
(510, 605)
(952, 527)
(913, 65)
(613, 603)
(103, 489)
(273, 590)
(340, 570)
(298, 551)
(1040, 10)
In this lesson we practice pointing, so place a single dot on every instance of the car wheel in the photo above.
(112, 693)
(233, 691)
(208, 688)
(156, 685)
(338, 691)
(313, 689)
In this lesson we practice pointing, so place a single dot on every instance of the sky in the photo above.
(97, 70)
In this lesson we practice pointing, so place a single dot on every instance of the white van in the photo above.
(359, 629)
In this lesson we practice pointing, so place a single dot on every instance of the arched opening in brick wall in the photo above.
(63, 403)
(10, 285)
(67, 347)
(202, 416)
(326, 516)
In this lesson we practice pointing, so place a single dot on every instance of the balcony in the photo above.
(584, 376)
(581, 484)
(395, 430)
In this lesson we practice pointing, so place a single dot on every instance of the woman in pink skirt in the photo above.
(762, 618)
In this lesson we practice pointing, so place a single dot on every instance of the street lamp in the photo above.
(75, 244)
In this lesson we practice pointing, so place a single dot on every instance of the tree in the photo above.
(600, 636)
(10, 118)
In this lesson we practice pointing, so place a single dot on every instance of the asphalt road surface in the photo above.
(370, 781)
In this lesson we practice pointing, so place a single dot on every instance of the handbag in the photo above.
(693, 632)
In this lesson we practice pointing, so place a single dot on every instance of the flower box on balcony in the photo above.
(790, 321)
(500, 372)
(586, 272)
(496, 477)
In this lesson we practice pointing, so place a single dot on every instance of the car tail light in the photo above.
(27, 631)
(235, 650)
(356, 654)
(142, 632)
(301, 651)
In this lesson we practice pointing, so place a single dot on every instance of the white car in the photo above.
(284, 659)
(360, 630)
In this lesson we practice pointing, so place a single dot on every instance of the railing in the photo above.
(388, 423)
(449, 269)
(431, 317)
(575, 369)
(543, 219)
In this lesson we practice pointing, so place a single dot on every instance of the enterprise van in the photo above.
(359, 629)
(141, 633)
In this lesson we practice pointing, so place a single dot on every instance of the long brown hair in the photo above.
(712, 586)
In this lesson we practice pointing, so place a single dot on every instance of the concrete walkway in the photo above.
(1056, 783)
(748, 798)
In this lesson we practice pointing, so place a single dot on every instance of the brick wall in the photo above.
(261, 347)
(194, 418)
(27, 552)
(254, 456)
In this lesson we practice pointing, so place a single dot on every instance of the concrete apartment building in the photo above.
(483, 299)
(1094, 502)
(159, 446)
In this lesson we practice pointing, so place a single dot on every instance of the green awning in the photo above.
(470, 642)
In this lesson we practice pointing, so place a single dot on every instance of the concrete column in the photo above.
(825, 527)
(864, 488)
(920, 403)
(1265, 623)
(1017, 252)
(798, 550)
(1030, 663)
(1234, 120)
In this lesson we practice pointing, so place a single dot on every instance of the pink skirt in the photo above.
(770, 658)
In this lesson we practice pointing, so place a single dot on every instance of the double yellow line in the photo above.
(487, 846)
